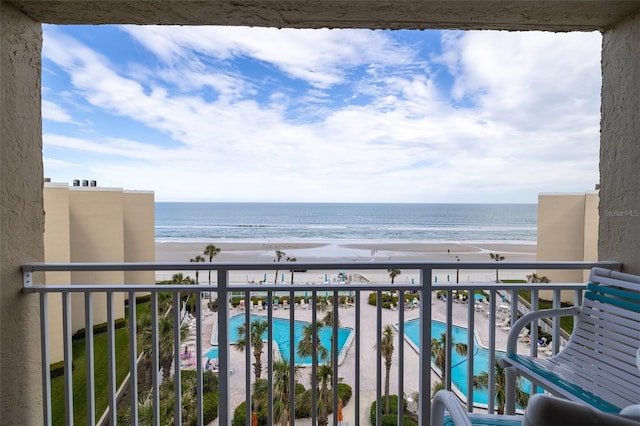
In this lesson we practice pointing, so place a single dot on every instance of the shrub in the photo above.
(391, 419)
(344, 392)
(210, 409)
(100, 328)
(209, 381)
(240, 418)
(57, 369)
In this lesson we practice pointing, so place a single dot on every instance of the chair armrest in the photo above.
(512, 339)
(446, 400)
(546, 410)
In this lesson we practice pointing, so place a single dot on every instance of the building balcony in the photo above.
(190, 335)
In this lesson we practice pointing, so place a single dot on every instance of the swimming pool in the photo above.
(212, 353)
(281, 336)
(458, 362)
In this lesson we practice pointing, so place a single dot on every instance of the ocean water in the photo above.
(203, 222)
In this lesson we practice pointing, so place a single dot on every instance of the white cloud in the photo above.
(521, 117)
(54, 112)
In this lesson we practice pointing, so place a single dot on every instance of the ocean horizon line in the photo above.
(335, 241)
(348, 203)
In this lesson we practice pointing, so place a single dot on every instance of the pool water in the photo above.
(459, 362)
(212, 353)
(281, 336)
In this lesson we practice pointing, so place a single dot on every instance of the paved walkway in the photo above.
(368, 353)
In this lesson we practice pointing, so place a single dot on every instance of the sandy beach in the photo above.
(358, 251)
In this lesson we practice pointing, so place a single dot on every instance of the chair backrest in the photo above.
(606, 337)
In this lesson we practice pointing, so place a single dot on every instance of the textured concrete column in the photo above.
(21, 217)
(619, 208)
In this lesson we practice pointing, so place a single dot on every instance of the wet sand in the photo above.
(356, 251)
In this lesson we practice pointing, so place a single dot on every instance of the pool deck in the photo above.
(346, 370)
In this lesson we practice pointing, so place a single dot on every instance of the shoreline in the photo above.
(337, 250)
(350, 251)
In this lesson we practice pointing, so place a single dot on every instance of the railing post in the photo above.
(223, 349)
(111, 358)
(88, 335)
(68, 358)
(46, 361)
(155, 382)
(177, 375)
(424, 384)
(133, 358)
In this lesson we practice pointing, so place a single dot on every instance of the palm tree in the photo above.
(180, 279)
(324, 392)
(258, 327)
(291, 259)
(281, 390)
(439, 353)
(279, 255)
(498, 258)
(393, 273)
(165, 340)
(211, 251)
(324, 371)
(198, 258)
(481, 381)
(305, 345)
(167, 405)
(386, 350)
(535, 278)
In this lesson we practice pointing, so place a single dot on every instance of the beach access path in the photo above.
(346, 370)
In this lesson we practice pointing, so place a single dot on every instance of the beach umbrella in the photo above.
(447, 277)
(326, 277)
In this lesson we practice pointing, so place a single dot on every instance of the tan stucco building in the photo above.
(95, 224)
(567, 230)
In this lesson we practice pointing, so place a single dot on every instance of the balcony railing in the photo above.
(358, 363)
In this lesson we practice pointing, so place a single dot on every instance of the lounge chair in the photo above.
(547, 410)
(598, 365)
(446, 410)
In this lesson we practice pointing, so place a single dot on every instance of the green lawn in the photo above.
(566, 323)
(79, 374)
(79, 377)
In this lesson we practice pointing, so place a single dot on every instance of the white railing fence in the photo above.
(359, 362)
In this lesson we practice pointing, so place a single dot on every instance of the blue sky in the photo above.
(257, 114)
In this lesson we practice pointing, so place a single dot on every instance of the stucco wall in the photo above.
(21, 217)
(620, 146)
(139, 234)
(56, 249)
(561, 224)
(97, 235)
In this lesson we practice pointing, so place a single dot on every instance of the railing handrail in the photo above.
(30, 268)
(328, 265)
